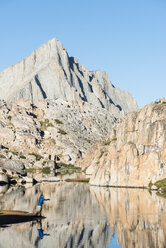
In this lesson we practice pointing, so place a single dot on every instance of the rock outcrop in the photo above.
(14, 166)
(50, 73)
(3, 179)
(135, 152)
(56, 129)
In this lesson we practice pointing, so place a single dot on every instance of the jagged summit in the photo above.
(50, 73)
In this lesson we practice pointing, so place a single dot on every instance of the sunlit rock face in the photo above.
(50, 105)
(72, 218)
(50, 73)
(137, 216)
(55, 127)
(134, 153)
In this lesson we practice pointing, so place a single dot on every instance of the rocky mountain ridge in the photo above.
(134, 154)
(53, 109)
(50, 73)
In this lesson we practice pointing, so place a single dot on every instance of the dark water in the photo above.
(79, 215)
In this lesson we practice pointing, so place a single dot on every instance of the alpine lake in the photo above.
(79, 215)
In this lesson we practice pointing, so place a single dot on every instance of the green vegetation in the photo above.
(22, 156)
(44, 162)
(2, 156)
(38, 156)
(58, 121)
(53, 141)
(46, 170)
(160, 101)
(107, 142)
(61, 131)
(9, 117)
(157, 101)
(12, 125)
(162, 194)
(66, 167)
(161, 184)
(31, 170)
(101, 154)
(161, 187)
(79, 180)
(86, 139)
(15, 153)
(84, 170)
(59, 155)
(150, 185)
(13, 178)
(44, 124)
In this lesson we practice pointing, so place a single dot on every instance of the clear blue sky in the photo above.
(125, 38)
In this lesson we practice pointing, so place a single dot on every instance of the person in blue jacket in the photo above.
(40, 204)
(41, 234)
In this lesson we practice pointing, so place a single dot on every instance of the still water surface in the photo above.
(82, 216)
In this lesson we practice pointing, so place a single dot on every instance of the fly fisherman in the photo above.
(40, 204)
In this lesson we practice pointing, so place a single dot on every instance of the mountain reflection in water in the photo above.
(79, 215)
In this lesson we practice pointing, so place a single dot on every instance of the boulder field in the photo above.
(45, 136)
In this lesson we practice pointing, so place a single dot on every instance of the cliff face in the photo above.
(50, 73)
(135, 152)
